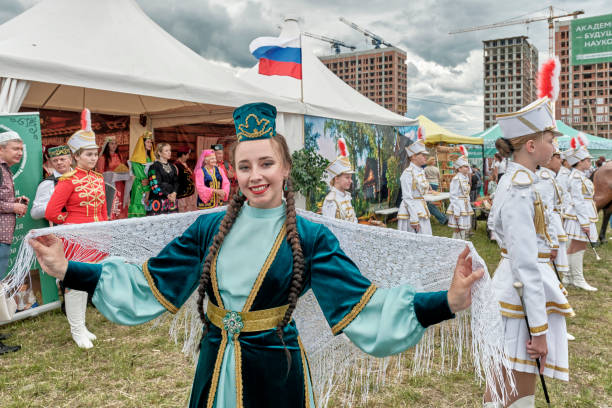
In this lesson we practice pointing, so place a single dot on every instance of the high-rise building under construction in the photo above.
(379, 74)
(510, 70)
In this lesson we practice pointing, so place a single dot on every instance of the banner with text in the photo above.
(27, 174)
(591, 40)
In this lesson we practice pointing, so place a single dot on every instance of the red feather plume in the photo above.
(86, 120)
(548, 79)
(574, 142)
(420, 133)
(342, 147)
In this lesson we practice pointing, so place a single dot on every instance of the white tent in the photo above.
(111, 57)
(324, 94)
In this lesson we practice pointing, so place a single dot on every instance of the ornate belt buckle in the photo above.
(232, 322)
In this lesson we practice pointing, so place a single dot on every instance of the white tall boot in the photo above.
(456, 235)
(577, 273)
(525, 402)
(568, 277)
(76, 318)
(90, 335)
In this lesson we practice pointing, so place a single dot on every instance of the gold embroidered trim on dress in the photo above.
(257, 320)
(213, 280)
(539, 329)
(305, 367)
(533, 363)
(346, 320)
(238, 365)
(212, 392)
(264, 269)
(160, 298)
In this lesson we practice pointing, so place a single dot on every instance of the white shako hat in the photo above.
(536, 117)
(578, 150)
(7, 134)
(84, 138)
(340, 165)
(462, 160)
(419, 145)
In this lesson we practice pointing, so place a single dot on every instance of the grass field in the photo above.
(141, 367)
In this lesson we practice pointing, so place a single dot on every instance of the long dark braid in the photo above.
(226, 224)
(297, 278)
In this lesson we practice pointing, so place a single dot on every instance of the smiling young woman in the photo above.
(252, 262)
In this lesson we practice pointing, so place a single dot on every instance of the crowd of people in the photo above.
(542, 217)
(80, 187)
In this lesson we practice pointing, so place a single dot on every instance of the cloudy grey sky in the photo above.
(441, 67)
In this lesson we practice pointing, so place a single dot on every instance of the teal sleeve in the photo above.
(175, 272)
(340, 288)
(388, 324)
(395, 319)
(123, 294)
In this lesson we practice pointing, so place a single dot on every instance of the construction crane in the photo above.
(550, 18)
(376, 40)
(335, 44)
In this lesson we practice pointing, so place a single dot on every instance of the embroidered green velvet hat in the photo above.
(255, 121)
(58, 151)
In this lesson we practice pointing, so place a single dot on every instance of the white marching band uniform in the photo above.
(413, 208)
(562, 179)
(460, 210)
(338, 204)
(552, 197)
(518, 220)
(581, 213)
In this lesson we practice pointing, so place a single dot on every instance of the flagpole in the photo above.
(302, 89)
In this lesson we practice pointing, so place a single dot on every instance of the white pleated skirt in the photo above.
(424, 226)
(557, 361)
(462, 222)
(574, 231)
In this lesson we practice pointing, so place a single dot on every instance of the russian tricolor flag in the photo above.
(278, 56)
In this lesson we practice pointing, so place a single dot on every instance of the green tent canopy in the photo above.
(598, 146)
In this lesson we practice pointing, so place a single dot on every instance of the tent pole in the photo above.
(484, 167)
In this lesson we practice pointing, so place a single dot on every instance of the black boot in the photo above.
(3, 336)
(8, 349)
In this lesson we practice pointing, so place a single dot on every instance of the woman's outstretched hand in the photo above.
(49, 251)
(460, 292)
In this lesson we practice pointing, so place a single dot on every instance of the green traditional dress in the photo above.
(137, 208)
(242, 361)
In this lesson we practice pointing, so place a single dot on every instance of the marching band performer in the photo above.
(413, 215)
(581, 215)
(460, 210)
(518, 220)
(338, 202)
(552, 197)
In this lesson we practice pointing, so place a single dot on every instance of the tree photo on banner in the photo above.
(27, 174)
(376, 152)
